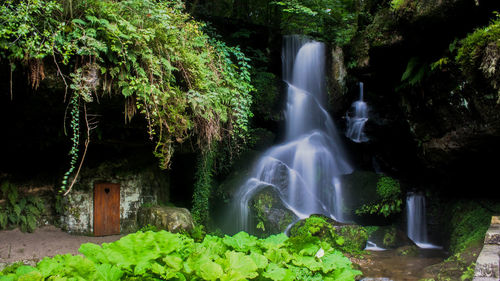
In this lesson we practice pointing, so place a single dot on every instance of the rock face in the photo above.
(389, 237)
(172, 219)
(269, 212)
(430, 110)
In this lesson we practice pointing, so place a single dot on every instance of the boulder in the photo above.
(172, 219)
(389, 237)
(269, 212)
(349, 238)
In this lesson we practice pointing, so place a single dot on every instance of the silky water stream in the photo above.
(305, 169)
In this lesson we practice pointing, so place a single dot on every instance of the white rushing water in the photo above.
(356, 122)
(305, 170)
(416, 220)
(371, 246)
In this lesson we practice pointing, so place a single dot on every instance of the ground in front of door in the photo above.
(45, 241)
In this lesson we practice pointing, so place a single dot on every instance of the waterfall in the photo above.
(356, 123)
(416, 220)
(305, 170)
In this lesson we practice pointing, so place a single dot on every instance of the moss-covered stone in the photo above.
(172, 219)
(270, 213)
(345, 237)
(410, 250)
(390, 237)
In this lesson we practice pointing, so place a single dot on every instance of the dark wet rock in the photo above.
(389, 237)
(410, 250)
(172, 219)
(269, 212)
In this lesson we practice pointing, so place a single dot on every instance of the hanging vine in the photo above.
(186, 84)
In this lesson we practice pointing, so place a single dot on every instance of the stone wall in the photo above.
(488, 262)
(138, 186)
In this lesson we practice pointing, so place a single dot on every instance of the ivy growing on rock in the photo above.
(186, 84)
(390, 201)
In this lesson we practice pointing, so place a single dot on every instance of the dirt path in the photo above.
(45, 241)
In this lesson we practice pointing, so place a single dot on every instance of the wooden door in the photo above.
(106, 209)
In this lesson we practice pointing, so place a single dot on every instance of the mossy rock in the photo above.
(410, 251)
(389, 237)
(348, 238)
(172, 219)
(269, 212)
(355, 237)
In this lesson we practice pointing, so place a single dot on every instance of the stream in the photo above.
(389, 265)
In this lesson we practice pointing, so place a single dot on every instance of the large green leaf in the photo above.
(107, 272)
(334, 260)
(276, 273)
(210, 271)
(174, 262)
(307, 261)
(259, 260)
(241, 241)
(241, 266)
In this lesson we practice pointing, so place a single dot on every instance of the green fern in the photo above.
(23, 212)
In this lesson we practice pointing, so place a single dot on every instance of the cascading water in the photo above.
(356, 123)
(305, 169)
(416, 220)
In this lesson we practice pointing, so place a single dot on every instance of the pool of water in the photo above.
(389, 265)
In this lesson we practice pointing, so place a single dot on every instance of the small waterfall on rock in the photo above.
(416, 220)
(356, 122)
(304, 170)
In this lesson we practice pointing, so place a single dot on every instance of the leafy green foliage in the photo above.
(348, 239)
(396, 4)
(331, 20)
(22, 211)
(203, 187)
(469, 223)
(389, 191)
(75, 139)
(478, 53)
(415, 72)
(266, 94)
(472, 47)
(151, 52)
(167, 256)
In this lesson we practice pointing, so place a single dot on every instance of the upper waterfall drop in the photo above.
(356, 122)
(305, 170)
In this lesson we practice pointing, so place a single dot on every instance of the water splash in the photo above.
(356, 123)
(305, 170)
(371, 246)
(416, 220)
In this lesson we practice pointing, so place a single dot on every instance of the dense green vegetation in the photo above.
(390, 203)
(166, 256)
(331, 20)
(19, 211)
(152, 53)
(349, 239)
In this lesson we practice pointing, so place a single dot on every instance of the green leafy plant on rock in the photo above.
(390, 203)
(21, 211)
(349, 239)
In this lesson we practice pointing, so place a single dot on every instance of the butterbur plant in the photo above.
(166, 256)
